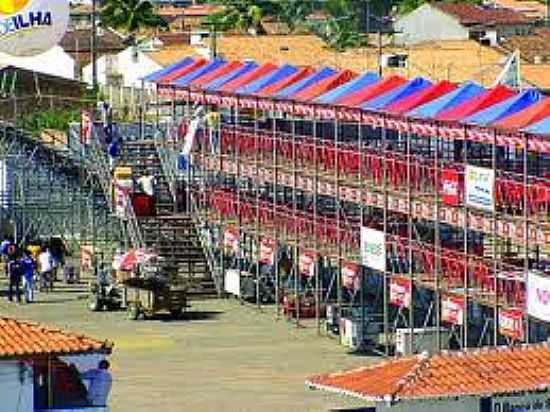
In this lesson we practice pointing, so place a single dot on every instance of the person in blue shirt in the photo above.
(28, 266)
(99, 382)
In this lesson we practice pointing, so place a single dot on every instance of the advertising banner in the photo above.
(538, 296)
(231, 239)
(452, 310)
(306, 263)
(400, 292)
(480, 188)
(268, 248)
(510, 323)
(373, 249)
(122, 190)
(450, 187)
(86, 125)
(350, 275)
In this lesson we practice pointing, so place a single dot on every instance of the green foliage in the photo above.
(56, 119)
(239, 14)
(130, 15)
(341, 30)
(293, 12)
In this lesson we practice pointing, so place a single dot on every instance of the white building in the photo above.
(55, 62)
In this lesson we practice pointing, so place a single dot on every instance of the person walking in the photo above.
(14, 270)
(46, 267)
(28, 266)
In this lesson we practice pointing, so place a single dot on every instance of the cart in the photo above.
(147, 300)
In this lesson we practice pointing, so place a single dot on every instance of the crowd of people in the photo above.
(31, 267)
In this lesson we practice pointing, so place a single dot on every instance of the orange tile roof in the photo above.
(531, 8)
(473, 372)
(20, 339)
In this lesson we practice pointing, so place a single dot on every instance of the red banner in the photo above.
(306, 263)
(452, 310)
(268, 248)
(400, 292)
(450, 187)
(510, 323)
(86, 124)
(231, 239)
(350, 278)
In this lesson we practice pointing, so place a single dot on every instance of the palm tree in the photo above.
(293, 12)
(130, 15)
(341, 30)
(245, 15)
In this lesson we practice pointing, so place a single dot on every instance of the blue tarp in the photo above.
(463, 93)
(412, 86)
(220, 81)
(153, 77)
(505, 108)
(195, 74)
(313, 78)
(542, 127)
(268, 79)
(347, 88)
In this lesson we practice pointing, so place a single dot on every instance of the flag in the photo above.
(511, 74)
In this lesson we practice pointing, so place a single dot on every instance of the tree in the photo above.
(293, 12)
(244, 15)
(130, 15)
(341, 30)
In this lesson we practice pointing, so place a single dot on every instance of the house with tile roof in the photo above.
(436, 21)
(475, 380)
(41, 367)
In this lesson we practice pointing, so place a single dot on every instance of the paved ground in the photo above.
(223, 357)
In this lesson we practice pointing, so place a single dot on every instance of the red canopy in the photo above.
(287, 81)
(176, 74)
(469, 107)
(371, 91)
(532, 114)
(247, 78)
(421, 97)
(214, 74)
(331, 82)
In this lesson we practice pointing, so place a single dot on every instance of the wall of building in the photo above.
(428, 23)
(54, 61)
(16, 387)
(466, 404)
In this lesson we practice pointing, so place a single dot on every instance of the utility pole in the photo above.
(93, 45)
(380, 69)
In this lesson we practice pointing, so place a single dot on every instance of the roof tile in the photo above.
(471, 14)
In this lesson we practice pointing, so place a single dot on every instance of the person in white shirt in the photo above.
(147, 183)
(99, 382)
(46, 263)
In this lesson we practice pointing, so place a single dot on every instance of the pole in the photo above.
(380, 68)
(93, 46)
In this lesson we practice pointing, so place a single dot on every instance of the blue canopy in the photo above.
(268, 79)
(542, 127)
(195, 74)
(364, 80)
(412, 86)
(463, 93)
(153, 77)
(305, 82)
(503, 109)
(220, 81)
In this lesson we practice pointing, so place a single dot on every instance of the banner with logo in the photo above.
(373, 249)
(306, 263)
(538, 296)
(31, 27)
(452, 310)
(510, 323)
(86, 125)
(480, 188)
(231, 239)
(268, 248)
(400, 292)
(122, 190)
(350, 275)
(450, 187)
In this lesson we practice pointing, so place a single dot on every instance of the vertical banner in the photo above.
(480, 188)
(350, 275)
(450, 187)
(452, 310)
(510, 323)
(231, 239)
(86, 125)
(306, 263)
(373, 249)
(538, 296)
(122, 190)
(400, 292)
(268, 249)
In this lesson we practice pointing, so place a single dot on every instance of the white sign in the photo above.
(232, 282)
(538, 296)
(373, 249)
(31, 27)
(480, 188)
(539, 402)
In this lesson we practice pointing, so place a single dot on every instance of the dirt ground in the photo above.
(222, 357)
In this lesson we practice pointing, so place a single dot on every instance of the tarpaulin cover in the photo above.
(264, 81)
(542, 127)
(325, 85)
(287, 81)
(465, 91)
(372, 91)
(176, 74)
(214, 74)
(364, 80)
(401, 92)
(528, 116)
(421, 97)
(478, 103)
(153, 77)
(241, 71)
(505, 108)
(249, 77)
(195, 74)
(314, 78)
